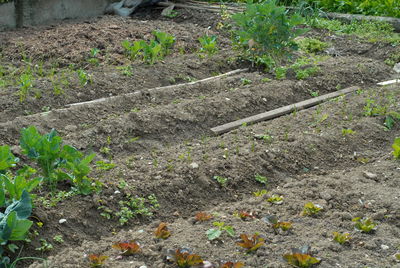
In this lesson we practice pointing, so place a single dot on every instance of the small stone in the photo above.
(384, 247)
(143, 266)
(61, 221)
(396, 67)
(370, 175)
(117, 192)
(194, 165)
(71, 128)
(325, 195)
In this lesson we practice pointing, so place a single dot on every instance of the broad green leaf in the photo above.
(213, 234)
(7, 159)
(396, 148)
(20, 229)
(22, 207)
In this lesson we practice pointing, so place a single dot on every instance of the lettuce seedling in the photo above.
(251, 244)
(208, 44)
(276, 224)
(230, 264)
(301, 258)
(243, 215)
(185, 259)
(396, 148)
(128, 248)
(365, 225)
(275, 199)
(261, 179)
(97, 260)
(202, 216)
(7, 159)
(162, 231)
(310, 209)
(341, 238)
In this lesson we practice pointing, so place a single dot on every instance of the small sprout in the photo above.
(58, 239)
(162, 231)
(184, 259)
(128, 248)
(251, 244)
(301, 258)
(97, 260)
(202, 216)
(275, 199)
(245, 81)
(396, 148)
(221, 180)
(261, 179)
(347, 131)
(216, 233)
(243, 215)
(365, 225)
(230, 264)
(341, 238)
(260, 193)
(276, 224)
(310, 209)
(397, 256)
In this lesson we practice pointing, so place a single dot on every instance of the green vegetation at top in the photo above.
(5, 1)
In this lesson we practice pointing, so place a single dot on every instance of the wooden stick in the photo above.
(160, 88)
(385, 83)
(280, 111)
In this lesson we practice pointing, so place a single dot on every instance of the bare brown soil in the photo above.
(161, 143)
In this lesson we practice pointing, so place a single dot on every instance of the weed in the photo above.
(136, 206)
(221, 180)
(84, 77)
(341, 238)
(126, 70)
(245, 81)
(216, 233)
(208, 44)
(311, 45)
(128, 248)
(347, 131)
(162, 231)
(261, 179)
(280, 72)
(45, 246)
(251, 244)
(266, 79)
(311, 210)
(101, 165)
(365, 225)
(59, 239)
(260, 193)
(25, 85)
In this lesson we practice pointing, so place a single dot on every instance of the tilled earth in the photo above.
(159, 138)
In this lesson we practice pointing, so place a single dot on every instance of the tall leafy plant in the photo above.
(266, 32)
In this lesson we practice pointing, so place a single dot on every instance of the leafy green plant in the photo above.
(276, 224)
(280, 72)
(208, 44)
(166, 41)
(126, 70)
(213, 233)
(301, 258)
(311, 45)
(260, 193)
(152, 52)
(266, 32)
(365, 225)
(221, 180)
(310, 209)
(7, 159)
(84, 77)
(132, 50)
(275, 199)
(136, 206)
(25, 85)
(128, 248)
(251, 244)
(44, 246)
(396, 148)
(261, 179)
(341, 238)
(245, 81)
(347, 131)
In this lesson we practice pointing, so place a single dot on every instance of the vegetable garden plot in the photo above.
(263, 189)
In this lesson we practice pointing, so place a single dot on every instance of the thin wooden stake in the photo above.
(280, 111)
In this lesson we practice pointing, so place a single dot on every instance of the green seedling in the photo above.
(347, 132)
(166, 41)
(251, 244)
(101, 165)
(208, 44)
(45, 246)
(307, 72)
(261, 179)
(133, 50)
(245, 81)
(7, 159)
(126, 70)
(311, 210)
(365, 225)
(152, 52)
(341, 238)
(276, 224)
(280, 72)
(213, 234)
(301, 258)
(59, 239)
(221, 180)
(311, 45)
(396, 148)
(25, 85)
(260, 193)
(275, 199)
(84, 77)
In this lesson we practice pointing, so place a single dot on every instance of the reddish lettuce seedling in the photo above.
(230, 264)
(301, 258)
(162, 231)
(184, 259)
(128, 248)
(97, 260)
(251, 244)
(202, 216)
